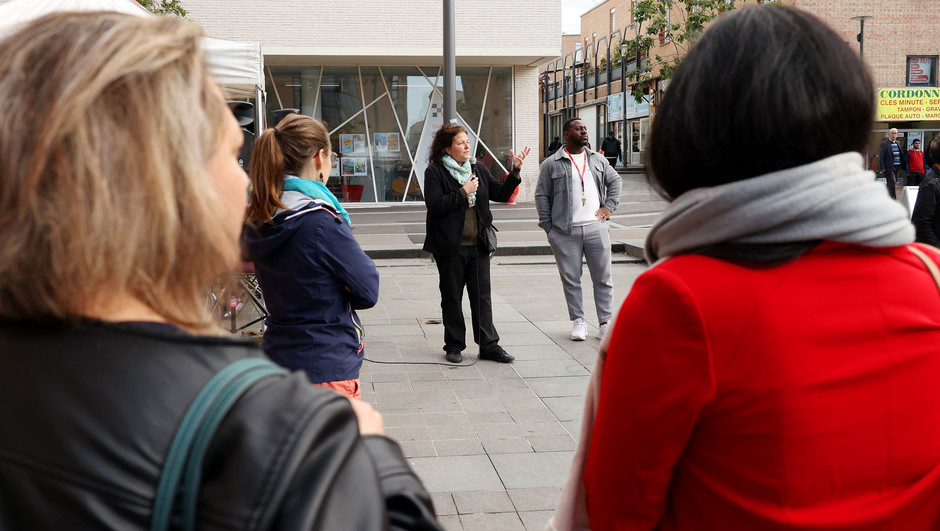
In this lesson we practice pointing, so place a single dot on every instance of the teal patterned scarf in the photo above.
(461, 172)
(316, 190)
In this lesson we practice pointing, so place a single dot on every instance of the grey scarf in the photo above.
(831, 199)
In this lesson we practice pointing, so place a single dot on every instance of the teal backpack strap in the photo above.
(194, 434)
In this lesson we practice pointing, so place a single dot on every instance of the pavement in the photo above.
(491, 442)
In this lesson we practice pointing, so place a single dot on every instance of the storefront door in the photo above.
(638, 132)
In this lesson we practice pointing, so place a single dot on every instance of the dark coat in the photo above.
(925, 217)
(90, 410)
(314, 276)
(886, 156)
(447, 206)
(611, 147)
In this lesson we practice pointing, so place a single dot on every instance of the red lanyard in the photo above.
(580, 170)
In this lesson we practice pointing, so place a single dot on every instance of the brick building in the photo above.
(371, 71)
(897, 46)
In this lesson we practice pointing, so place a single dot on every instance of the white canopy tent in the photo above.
(238, 67)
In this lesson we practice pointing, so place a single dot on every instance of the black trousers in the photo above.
(470, 267)
(891, 176)
(612, 161)
(914, 178)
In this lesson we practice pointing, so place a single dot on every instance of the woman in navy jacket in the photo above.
(312, 271)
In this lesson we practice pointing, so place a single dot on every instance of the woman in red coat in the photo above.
(778, 366)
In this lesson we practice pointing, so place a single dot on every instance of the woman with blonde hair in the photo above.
(313, 273)
(120, 199)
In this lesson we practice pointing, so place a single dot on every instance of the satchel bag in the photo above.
(490, 233)
(188, 449)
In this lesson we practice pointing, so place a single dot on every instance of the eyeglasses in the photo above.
(333, 157)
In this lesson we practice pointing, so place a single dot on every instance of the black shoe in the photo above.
(496, 354)
(453, 356)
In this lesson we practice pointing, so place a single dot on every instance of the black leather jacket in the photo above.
(88, 413)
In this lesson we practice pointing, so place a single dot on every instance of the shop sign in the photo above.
(919, 70)
(632, 109)
(615, 107)
(908, 104)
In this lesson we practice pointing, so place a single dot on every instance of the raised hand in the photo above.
(517, 159)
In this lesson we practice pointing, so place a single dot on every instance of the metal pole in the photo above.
(861, 39)
(450, 71)
(547, 133)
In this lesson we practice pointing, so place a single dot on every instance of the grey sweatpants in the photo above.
(593, 243)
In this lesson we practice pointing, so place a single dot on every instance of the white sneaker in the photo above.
(579, 330)
(601, 330)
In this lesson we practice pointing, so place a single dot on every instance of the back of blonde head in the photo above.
(109, 121)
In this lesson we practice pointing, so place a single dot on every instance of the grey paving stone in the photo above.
(483, 405)
(522, 471)
(447, 406)
(463, 373)
(443, 432)
(417, 449)
(542, 429)
(401, 420)
(408, 433)
(429, 376)
(559, 386)
(566, 408)
(497, 431)
(493, 501)
(422, 386)
(491, 522)
(378, 377)
(535, 520)
(537, 499)
(450, 522)
(396, 398)
(446, 419)
(504, 383)
(542, 414)
(458, 473)
(443, 503)
(554, 443)
(459, 447)
(573, 427)
(539, 352)
(517, 445)
(470, 385)
(510, 339)
(476, 394)
(545, 368)
(489, 417)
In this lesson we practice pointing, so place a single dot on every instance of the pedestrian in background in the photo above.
(461, 237)
(576, 194)
(893, 160)
(915, 164)
(121, 197)
(554, 146)
(610, 148)
(776, 367)
(926, 217)
(312, 271)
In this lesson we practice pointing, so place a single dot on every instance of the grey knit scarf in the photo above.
(831, 199)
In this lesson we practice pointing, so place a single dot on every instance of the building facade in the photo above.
(898, 46)
(371, 70)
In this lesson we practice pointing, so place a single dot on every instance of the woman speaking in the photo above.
(461, 237)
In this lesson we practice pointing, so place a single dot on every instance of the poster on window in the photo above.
(348, 165)
(381, 143)
(359, 143)
(360, 166)
(334, 170)
(345, 144)
(919, 70)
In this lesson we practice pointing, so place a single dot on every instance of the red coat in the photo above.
(802, 396)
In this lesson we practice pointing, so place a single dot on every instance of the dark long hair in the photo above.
(443, 138)
(765, 89)
(286, 148)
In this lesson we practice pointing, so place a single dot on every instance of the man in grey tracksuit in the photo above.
(576, 194)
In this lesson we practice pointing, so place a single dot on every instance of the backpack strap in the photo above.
(194, 434)
(931, 265)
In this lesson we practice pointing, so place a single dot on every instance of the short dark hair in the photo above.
(935, 149)
(765, 89)
(569, 121)
(915, 141)
(443, 138)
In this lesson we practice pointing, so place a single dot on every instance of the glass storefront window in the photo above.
(379, 118)
(496, 131)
